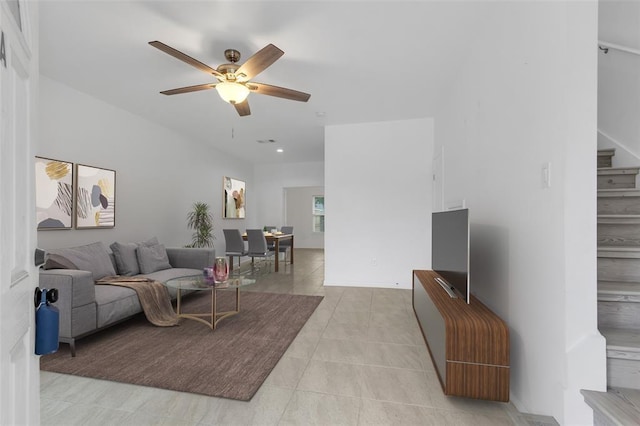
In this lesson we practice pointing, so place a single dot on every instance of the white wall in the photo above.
(522, 101)
(299, 214)
(378, 202)
(270, 183)
(159, 174)
(619, 81)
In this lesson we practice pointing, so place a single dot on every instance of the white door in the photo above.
(19, 366)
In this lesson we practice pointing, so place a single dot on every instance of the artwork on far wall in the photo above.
(54, 194)
(95, 197)
(234, 192)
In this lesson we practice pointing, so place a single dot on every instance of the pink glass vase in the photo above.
(221, 269)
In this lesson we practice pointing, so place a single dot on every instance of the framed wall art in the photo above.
(95, 197)
(54, 194)
(235, 196)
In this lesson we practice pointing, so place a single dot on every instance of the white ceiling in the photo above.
(360, 61)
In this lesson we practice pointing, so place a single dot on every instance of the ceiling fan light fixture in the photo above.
(233, 80)
(233, 93)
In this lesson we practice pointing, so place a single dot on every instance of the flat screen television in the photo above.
(450, 251)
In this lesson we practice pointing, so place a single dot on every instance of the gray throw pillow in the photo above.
(56, 261)
(92, 257)
(150, 242)
(126, 258)
(152, 259)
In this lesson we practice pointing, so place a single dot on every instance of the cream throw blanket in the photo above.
(153, 295)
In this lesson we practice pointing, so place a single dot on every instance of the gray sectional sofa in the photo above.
(86, 307)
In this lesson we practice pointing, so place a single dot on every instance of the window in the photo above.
(318, 213)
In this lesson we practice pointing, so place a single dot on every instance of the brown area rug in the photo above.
(230, 362)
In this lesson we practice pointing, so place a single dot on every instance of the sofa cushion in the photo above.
(91, 257)
(115, 303)
(126, 258)
(167, 274)
(153, 258)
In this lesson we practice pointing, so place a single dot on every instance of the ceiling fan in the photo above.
(234, 83)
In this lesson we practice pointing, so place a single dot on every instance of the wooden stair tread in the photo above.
(614, 405)
(615, 285)
(618, 171)
(619, 287)
(618, 192)
(619, 252)
(618, 219)
(605, 157)
(622, 339)
(618, 291)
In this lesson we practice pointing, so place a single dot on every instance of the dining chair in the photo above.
(258, 246)
(235, 245)
(287, 229)
(268, 228)
(285, 245)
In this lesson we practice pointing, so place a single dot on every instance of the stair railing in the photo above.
(605, 46)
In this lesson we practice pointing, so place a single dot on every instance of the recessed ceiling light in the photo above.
(279, 150)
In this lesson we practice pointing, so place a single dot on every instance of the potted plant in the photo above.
(200, 220)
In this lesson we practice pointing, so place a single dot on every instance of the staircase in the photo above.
(618, 292)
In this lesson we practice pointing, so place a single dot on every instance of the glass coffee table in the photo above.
(199, 283)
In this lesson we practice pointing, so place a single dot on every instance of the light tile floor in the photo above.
(359, 360)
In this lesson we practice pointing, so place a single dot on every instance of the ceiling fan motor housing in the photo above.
(229, 71)
(232, 55)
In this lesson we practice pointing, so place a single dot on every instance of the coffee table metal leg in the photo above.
(214, 308)
(214, 316)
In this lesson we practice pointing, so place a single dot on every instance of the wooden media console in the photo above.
(468, 343)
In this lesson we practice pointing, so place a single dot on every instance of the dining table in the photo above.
(275, 239)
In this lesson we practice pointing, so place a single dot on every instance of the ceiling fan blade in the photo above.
(189, 89)
(260, 61)
(184, 58)
(280, 92)
(243, 108)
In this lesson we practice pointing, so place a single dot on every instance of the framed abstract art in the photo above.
(235, 196)
(54, 194)
(95, 197)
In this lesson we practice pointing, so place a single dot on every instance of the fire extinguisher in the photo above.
(47, 321)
